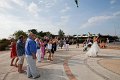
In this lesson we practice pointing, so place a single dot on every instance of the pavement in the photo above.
(68, 65)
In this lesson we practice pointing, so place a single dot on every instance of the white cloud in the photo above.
(10, 24)
(50, 3)
(116, 13)
(19, 2)
(33, 8)
(97, 19)
(67, 8)
(5, 4)
(94, 20)
(113, 1)
(64, 19)
(47, 3)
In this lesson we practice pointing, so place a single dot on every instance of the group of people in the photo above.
(34, 50)
(18, 52)
(94, 45)
(64, 43)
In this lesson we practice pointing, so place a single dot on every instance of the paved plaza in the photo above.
(68, 65)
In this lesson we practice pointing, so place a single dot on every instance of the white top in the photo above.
(49, 46)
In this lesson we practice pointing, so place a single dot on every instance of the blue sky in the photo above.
(95, 16)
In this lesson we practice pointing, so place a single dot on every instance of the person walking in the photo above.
(30, 52)
(52, 50)
(61, 43)
(13, 54)
(20, 46)
(42, 49)
(64, 42)
(38, 54)
(49, 48)
(77, 43)
(67, 45)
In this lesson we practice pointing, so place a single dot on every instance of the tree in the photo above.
(42, 34)
(18, 33)
(33, 31)
(4, 43)
(61, 33)
(48, 34)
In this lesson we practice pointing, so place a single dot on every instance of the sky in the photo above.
(94, 16)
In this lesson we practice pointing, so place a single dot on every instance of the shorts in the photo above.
(52, 50)
(49, 50)
(21, 59)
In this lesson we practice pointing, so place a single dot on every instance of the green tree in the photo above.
(42, 34)
(33, 31)
(61, 33)
(18, 33)
(4, 43)
(48, 34)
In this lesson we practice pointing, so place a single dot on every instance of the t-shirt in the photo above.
(49, 46)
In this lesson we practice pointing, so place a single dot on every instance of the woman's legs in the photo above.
(12, 62)
(38, 54)
(49, 56)
(16, 62)
(52, 55)
(43, 53)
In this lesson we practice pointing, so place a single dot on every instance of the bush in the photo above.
(3, 44)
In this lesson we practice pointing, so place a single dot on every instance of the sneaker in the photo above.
(30, 76)
(36, 77)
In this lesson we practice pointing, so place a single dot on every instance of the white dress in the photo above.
(93, 51)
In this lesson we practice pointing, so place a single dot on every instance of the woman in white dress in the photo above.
(93, 51)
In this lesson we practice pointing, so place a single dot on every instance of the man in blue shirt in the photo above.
(20, 46)
(30, 51)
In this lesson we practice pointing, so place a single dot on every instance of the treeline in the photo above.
(4, 43)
